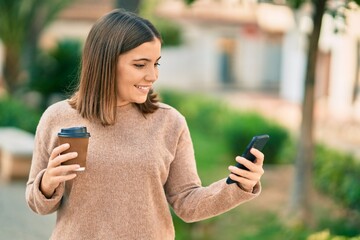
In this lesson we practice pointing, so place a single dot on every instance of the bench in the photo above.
(16, 148)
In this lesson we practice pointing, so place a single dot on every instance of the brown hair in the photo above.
(115, 33)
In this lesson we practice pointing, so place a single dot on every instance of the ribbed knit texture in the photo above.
(135, 169)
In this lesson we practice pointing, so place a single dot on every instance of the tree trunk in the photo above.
(300, 206)
(41, 17)
(12, 67)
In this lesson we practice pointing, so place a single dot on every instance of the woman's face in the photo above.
(136, 72)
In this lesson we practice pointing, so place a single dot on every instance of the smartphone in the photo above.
(257, 142)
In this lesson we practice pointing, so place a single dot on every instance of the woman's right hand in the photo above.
(56, 173)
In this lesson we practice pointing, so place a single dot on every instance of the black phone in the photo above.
(257, 142)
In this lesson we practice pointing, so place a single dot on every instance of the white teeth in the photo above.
(142, 87)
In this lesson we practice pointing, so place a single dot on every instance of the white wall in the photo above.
(293, 67)
(197, 64)
(342, 75)
(193, 65)
(249, 61)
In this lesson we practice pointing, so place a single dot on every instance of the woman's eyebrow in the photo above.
(146, 59)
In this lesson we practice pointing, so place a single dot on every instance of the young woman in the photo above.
(140, 155)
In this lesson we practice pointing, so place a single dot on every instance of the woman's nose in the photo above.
(152, 74)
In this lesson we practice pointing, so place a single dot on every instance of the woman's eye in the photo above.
(157, 64)
(139, 65)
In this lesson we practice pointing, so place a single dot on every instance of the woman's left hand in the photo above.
(248, 179)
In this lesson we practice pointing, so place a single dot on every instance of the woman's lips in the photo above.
(143, 88)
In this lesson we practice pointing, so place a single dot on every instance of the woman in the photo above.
(140, 158)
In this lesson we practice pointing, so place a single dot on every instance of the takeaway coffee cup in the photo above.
(78, 138)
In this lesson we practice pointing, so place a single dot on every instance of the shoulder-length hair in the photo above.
(112, 35)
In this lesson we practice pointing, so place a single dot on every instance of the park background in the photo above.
(234, 69)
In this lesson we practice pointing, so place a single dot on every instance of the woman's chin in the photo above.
(140, 101)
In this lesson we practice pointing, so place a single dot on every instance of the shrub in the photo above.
(215, 119)
(14, 113)
(338, 175)
(170, 33)
(56, 71)
(240, 127)
(201, 113)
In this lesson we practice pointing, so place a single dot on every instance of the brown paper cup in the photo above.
(79, 145)
(78, 138)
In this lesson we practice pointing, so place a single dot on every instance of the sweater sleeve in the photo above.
(44, 143)
(191, 201)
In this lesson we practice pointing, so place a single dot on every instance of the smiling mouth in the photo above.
(142, 87)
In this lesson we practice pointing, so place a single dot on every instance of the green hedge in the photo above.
(338, 175)
(215, 120)
(56, 70)
(14, 113)
(240, 127)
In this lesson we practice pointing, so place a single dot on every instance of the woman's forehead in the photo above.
(147, 50)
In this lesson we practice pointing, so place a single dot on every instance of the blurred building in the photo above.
(232, 44)
(75, 21)
(245, 45)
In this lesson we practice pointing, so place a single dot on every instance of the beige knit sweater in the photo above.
(135, 170)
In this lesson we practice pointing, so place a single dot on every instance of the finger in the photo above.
(54, 176)
(65, 178)
(245, 183)
(63, 158)
(259, 156)
(239, 172)
(252, 167)
(248, 164)
(253, 176)
(63, 170)
(58, 150)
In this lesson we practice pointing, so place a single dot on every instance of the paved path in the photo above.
(17, 221)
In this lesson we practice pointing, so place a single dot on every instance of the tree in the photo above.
(21, 23)
(300, 201)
